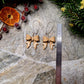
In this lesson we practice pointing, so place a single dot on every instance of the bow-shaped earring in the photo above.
(30, 39)
(35, 37)
(46, 40)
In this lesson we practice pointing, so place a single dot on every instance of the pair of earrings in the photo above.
(36, 39)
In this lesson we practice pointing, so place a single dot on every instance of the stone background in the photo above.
(19, 65)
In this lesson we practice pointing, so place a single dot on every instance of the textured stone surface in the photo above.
(73, 72)
(13, 41)
(7, 59)
(26, 72)
(19, 65)
(73, 46)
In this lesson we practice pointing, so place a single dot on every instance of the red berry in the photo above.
(0, 30)
(23, 12)
(26, 9)
(5, 29)
(40, 0)
(35, 7)
(25, 4)
(16, 25)
(0, 36)
(23, 18)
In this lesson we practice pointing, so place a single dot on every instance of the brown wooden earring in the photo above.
(47, 40)
(30, 39)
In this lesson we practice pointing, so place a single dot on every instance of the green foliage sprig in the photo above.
(71, 10)
(3, 2)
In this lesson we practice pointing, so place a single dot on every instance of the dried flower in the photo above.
(82, 4)
(63, 9)
(81, 7)
(71, 25)
(9, 16)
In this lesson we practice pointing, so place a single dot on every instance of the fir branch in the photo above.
(3, 2)
(73, 14)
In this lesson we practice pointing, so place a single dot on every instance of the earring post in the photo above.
(59, 54)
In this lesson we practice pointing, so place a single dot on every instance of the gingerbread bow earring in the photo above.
(47, 40)
(30, 39)
(35, 38)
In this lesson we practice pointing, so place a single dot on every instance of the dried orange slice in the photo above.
(9, 16)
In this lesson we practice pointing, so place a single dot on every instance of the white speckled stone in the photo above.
(19, 65)
(27, 72)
